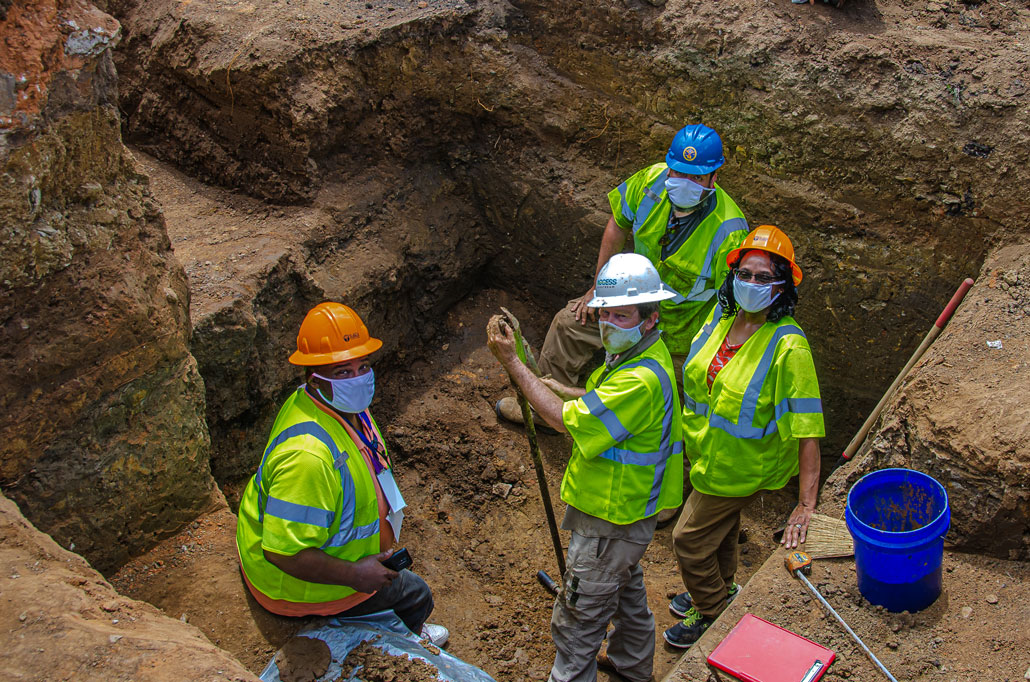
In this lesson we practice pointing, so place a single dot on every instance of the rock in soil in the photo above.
(303, 659)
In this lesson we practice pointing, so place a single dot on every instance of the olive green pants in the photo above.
(705, 543)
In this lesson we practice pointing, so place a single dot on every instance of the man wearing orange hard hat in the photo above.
(320, 516)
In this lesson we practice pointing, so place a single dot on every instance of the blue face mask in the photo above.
(616, 339)
(754, 297)
(353, 394)
(685, 193)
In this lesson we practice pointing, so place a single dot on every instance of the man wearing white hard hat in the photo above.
(626, 466)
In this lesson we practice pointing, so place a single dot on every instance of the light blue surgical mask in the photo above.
(617, 339)
(754, 297)
(353, 394)
(685, 193)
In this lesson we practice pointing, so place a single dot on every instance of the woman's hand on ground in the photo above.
(797, 526)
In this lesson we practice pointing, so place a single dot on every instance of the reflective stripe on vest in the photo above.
(620, 433)
(700, 291)
(652, 197)
(624, 207)
(749, 401)
(291, 511)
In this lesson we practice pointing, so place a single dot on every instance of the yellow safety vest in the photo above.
(312, 489)
(627, 453)
(698, 267)
(742, 435)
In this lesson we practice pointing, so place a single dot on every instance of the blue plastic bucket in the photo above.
(898, 518)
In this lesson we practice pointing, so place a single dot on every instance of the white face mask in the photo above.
(685, 193)
(754, 297)
(617, 339)
(353, 394)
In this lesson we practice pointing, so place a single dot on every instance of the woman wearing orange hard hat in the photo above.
(318, 519)
(752, 417)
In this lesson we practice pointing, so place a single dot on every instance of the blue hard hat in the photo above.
(695, 149)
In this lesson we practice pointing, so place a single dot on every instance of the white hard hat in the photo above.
(628, 279)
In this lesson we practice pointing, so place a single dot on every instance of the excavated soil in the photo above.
(372, 665)
(975, 631)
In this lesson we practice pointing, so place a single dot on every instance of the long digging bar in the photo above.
(934, 332)
(799, 563)
(526, 356)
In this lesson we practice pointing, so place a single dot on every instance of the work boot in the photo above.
(684, 633)
(437, 634)
(509, 410)
(682, 602)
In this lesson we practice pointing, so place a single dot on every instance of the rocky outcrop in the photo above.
(890, 153)
(962, 415)
(64, 621)
(105, 446)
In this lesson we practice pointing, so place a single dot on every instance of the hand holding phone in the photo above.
(399, 560)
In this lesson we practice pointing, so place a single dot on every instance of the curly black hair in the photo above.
(783, 305)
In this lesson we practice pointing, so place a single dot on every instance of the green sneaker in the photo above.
(684, 633)
(682, 603)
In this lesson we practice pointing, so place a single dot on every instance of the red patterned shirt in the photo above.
(726, 351)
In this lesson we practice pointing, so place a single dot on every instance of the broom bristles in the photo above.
(827, 537)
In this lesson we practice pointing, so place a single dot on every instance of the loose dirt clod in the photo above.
(303, 659)
(376, 666)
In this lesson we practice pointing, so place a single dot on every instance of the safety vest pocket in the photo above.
(726, 402)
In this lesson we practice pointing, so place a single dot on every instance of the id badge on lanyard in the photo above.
(387, 483)
(394, 500)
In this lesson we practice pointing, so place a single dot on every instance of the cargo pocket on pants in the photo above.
(589, 600)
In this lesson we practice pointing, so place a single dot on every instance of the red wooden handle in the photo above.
(953, 303)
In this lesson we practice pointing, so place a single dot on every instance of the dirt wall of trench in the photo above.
(104, 441)
(885, 140)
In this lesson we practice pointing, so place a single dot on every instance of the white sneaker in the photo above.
(437, 634)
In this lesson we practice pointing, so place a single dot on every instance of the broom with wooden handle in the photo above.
(827, 537)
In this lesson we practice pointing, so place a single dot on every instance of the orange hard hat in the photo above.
(331, 333)
(768, 238)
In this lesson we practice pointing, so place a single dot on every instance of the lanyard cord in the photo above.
(374, 445)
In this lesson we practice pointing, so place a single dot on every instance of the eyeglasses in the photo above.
(757, 277)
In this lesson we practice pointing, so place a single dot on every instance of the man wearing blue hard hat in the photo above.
(685, 224)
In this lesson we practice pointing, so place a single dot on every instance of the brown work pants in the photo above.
(705, 543)
(570, 346)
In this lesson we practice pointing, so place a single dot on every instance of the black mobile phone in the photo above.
(398, 560)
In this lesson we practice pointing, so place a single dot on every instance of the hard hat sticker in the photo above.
(689, 153)
(761, 239)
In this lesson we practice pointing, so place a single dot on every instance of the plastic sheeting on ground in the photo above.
(386, 632)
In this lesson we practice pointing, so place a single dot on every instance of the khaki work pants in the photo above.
(570, 346)
(705, 543)
(603, 583)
